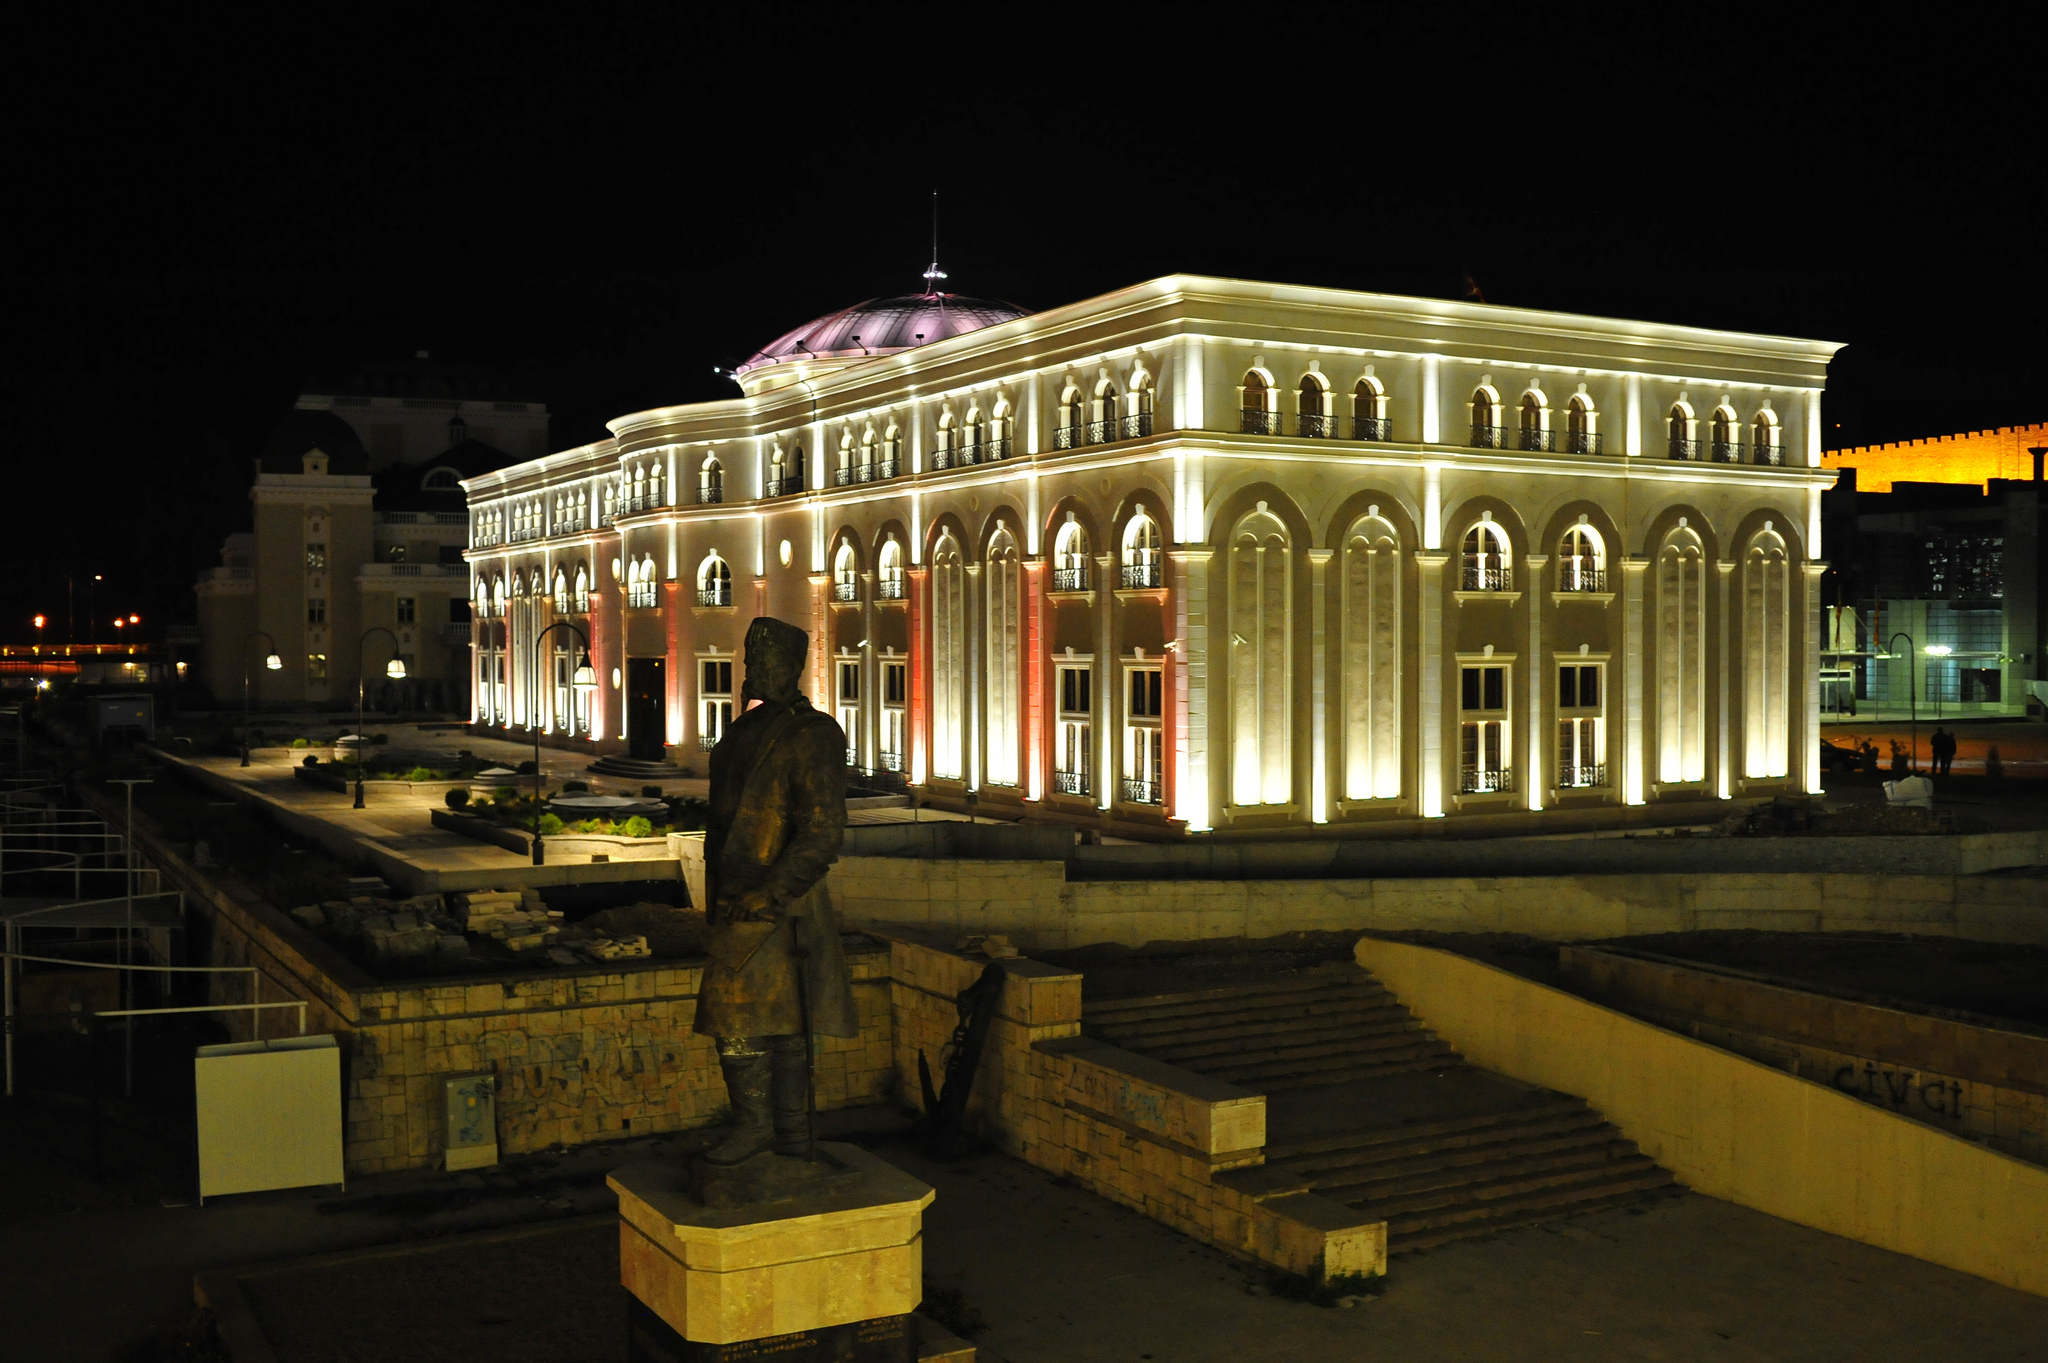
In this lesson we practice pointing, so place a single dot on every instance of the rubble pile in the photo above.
(388, 929)
(517, 918)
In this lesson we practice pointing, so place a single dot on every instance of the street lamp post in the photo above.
(1912, 691)
(395, 669)
(584, 679)
(270, 661)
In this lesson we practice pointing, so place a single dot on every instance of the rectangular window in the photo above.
(406, 610)
(849, 708)
(895, 724)
(316, 610)
(1484, 764)
(1076, 691)
(1144, 739)
(316, 554)
(316, 667)
(714, 700)
(895, 683)
(1581, 727)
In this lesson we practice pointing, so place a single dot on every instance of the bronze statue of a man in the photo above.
(778, 816)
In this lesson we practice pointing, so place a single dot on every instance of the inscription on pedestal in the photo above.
(889, 1339)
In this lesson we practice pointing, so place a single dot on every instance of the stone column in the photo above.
(1035, 664)
(820, 667)
(1318, 714)
(918, 704)
(1429, 738)
(1809, 665)
(869, 742)
(1543, 757)
(1108, 684)
(1633, 570)
(976, 620)
(1189, 765)
(1724, 777)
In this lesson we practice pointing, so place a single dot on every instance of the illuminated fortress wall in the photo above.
(1973, 457)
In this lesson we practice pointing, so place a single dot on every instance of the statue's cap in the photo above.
(778, 640)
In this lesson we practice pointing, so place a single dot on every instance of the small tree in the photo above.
(457, 798)
(550, 825)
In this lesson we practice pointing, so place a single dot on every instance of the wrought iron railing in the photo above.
(787, 486)
(1372, 428)
(1143, 792)
(715, 594)
(1479, 578)
(891, 761)
(890, 589)
(1766, 454)
(1684, 449)
(1578, 775)
(842, 477)
(865, 473)
(1489, 437)
(1536, 438)
(1318, 426)
(710, 496)
(845, 591)
(641, 595)
(707, 741)
(1070, 579)
(1069, 437)
(1141, 575)
(1137, 425)
(1575, 576)
(1485, 780)
(948, 457)
(1070, 783)
(1583, 442)
(1724, 451)
(1102, 432)
(888, 468)
(1254, 421)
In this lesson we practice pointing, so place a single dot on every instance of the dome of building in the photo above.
(882, 326)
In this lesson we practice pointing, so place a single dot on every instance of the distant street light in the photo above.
(270, 661)
(394, 669)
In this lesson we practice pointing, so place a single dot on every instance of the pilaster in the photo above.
(1724, 775)
(1429, 738)
(1190, 770)
(1809, 668)
(920, 684)
(1634, 569)
(1318, 715)
(1108, 696)
(1542, 749)
(1035, 666)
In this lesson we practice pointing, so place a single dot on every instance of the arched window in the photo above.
(714, 581)
(1369, 411)
(1535, 424)
(1763, 438)
(1143, 565)
(889, 571)
(1138, 421)
(973, 438)
(1681, 672)
(1487, 433)
(892, 452)
(1002, 657)
(999, 430)
(1580, 426)
(1372, 659)
(949, 660)
(561, 592)
(1683, 445)
(866, 472)
(1258, 417)
(1725, 425)
(654, 472)
(1073, 427)
(1070, 557)
(943, 456)
(1487, 567)
(1766, 663)
(641, 579)
(1105, 426)
(640, 502)
(711, 481)
(845, 574)
(1312, 405)
(842, 475)
(582, 598)
(1261, 612)
(1582, 560)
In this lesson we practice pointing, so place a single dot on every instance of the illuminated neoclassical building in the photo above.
(1202, 555)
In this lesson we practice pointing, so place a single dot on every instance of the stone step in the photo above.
(635, 768)
(1280, 984)
(1533, 1210)
(1190, 1030)
(1344, 1033)
(1467, 1168)
(1447, 1062)
(1447, 1206)
(1333, 1163)
(1313, 1055)
(1554, 1105)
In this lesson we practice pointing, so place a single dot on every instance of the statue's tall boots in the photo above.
(748, 1069)
(792, 1095)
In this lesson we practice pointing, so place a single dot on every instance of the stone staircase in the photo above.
(636, 769)
(1368, 1107)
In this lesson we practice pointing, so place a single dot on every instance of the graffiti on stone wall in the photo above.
(1902, 1091)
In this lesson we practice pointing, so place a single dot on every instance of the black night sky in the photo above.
(602, 207)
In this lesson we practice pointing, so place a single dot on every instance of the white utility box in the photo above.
(269, 1115)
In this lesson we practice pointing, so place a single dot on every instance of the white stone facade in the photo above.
(1209, 555)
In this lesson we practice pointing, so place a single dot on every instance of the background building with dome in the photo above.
(1202, 555)
(358, 521)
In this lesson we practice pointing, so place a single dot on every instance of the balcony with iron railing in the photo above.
(710, 495)
(890, 761)
(1143, 792)
(1070, 783)
(1070, 579)
(787, 486)
(1480, 577)
(1485, 780)
(642, 595)
(1575, 575)
(715, 594)
(707, 742)
(889, 589)
(1581, 775)
(888, 468)
(1488, 437)
(1140, 576)
(843, 477)
(1680, 448)
(1257, 421)
(846, 591)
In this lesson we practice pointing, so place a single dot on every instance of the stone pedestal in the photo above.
(834, 1274)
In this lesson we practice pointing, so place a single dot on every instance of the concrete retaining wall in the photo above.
(1039, 908)
(1732, 1128)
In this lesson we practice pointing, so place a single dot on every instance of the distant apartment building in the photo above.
(1934, 598)
(359, 522)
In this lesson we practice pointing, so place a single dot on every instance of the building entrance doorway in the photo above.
(646, 708)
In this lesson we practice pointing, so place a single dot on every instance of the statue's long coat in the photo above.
(778, 817)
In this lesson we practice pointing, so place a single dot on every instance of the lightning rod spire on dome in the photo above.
(933, 275)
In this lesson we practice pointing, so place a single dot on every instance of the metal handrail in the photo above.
(1482, 579)
(1143, 792)
(1581, 775)
(1485, 781)
(889, 589)
(1137, 576)
(1136, 425)
(710, 496)
(1318, 426)
(1257, 421)
(1684, 449)
(1574, 578)
(845, 591)
(1372, 428)
(1070, 782)
(1069, 437)
(1070, 579)
(1489, 437)
(715, 596)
